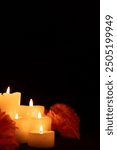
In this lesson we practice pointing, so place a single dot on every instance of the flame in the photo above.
(16, 116)
(41, 129)
(31, 102)
(8, 90)
(39, 115)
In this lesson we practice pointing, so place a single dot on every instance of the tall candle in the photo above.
(41, 139)
(31, 111)
(9, 102)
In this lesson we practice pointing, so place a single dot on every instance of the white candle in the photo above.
(22, 130)
(41, 139)
(45, 121)
(9, 102)
(31, 111)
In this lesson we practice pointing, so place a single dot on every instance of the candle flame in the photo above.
(8, 90)
(16, 116)
(41, 129)
(39, 115)
(31, 102)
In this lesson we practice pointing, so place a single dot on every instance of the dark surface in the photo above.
(84, 143)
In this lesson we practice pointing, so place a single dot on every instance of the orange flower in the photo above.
(7, 132)
(65, 120)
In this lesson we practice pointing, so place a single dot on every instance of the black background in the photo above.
(55, 58)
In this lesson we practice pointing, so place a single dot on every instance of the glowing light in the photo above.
(8, 90)
(16, 116)
(31, 103)
(39, 115)
(41, 129)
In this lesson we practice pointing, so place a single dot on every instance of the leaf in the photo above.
(65, 120)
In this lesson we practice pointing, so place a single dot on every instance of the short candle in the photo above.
(41, 120)
(41, 139)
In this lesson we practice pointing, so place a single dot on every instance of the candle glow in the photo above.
(39, 115)
(9, 102)
(41, 129)
(31, 103)
(8, 90)
(16, 116)
(42, 139)
(32, 125)
(22, 129)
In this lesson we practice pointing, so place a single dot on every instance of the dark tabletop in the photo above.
(87, 142)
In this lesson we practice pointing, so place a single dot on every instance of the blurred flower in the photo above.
(65, 120)
(7, 132)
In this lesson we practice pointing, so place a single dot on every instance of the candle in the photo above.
(9, 102)
(31, 111)
(41, 139)
(45, 121)
(22, 130)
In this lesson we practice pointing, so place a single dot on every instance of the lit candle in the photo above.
(31, 111)
(41, 120)
(41, 139)
(9, 102)
(22, 130)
